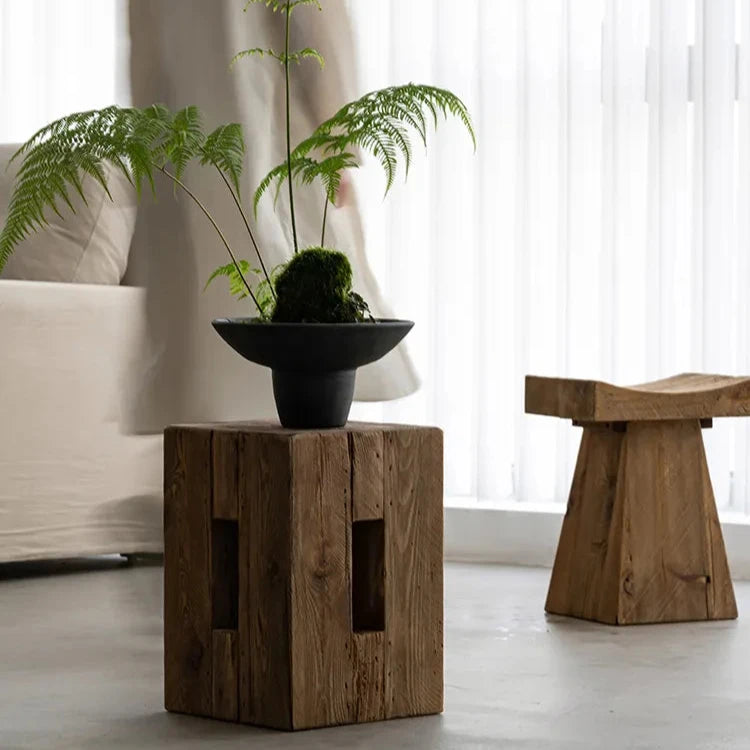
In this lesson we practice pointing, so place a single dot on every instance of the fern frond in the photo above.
(277, 174)
(306, 170)
(137, 142)
(328, 170)
(224, 148)
(281, 57)
(283, 6)
(265, 292)
(381, 123)
(185, 139)
(257, 52)
(307, 52)
(237, 286)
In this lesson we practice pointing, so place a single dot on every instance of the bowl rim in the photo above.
(377, 323)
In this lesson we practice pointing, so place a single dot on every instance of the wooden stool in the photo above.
(641, 540)
(303, 573)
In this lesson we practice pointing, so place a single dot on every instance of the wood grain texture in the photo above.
(187, 574)
(265, 552)
(687, 396)
(413, 474)
(322, 670)
(270, 427)
(225, 475)
(225, 675)
(368, 692)
(260, 596)
(368, 648)
(587, 564)
(666, 566)
(642, 544)
(721, 603)
(366, 449)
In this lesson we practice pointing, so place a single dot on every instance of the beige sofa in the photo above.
(71, 482)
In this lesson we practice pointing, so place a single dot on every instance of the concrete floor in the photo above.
(81, 667)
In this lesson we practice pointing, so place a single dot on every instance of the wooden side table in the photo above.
(641, 540)
(303, 582)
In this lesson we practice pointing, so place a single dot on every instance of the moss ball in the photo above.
(316, 287)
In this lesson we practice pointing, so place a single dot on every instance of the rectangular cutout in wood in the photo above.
(368, 575)
(224, 574)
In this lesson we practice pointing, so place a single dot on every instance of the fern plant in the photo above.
(138, 142)
(142, 143)
(381, 122)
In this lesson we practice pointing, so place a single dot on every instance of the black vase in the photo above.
(314, 365)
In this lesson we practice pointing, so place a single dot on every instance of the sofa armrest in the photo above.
(71, 481)
(65, 349)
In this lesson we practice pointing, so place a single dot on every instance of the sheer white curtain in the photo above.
(58, 57)
(601, 229)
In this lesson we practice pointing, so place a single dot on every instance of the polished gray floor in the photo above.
(81, 667)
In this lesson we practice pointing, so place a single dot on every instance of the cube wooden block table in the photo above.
(303, 582)
(641, 540)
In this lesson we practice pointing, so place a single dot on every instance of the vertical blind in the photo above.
(58, 57)
(601, 230)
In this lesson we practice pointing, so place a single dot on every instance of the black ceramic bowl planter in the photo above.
(313, 364)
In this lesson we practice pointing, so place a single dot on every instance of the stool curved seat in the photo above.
(686, 396)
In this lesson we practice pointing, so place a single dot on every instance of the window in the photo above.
(601, 229)
(56, 58)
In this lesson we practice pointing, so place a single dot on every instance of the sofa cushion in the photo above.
(89, 246)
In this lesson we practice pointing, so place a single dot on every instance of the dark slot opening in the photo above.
(368, 575)
(224, 574)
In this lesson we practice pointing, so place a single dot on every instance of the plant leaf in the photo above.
(380, 122)
(256, 52)
(283, 6)
(137, 142)
(184, 139)
(224, 148)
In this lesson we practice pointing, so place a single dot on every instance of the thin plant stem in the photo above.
(247, 226)
(289, 128)
(325, 216)
(216, 227)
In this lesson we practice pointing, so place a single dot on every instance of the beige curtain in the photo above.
(180, 54)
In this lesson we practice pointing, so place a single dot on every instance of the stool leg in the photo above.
(641, 540)
(587, 565)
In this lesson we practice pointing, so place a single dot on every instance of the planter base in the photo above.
(310, 400)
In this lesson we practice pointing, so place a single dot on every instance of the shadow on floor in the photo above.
(38, 568)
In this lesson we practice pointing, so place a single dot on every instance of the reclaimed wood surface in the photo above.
(260, 592)
(587, 562)
(366, 449)
(321, 655)
(187, 573)
(225, 675)
(414, 573)
(640, 541)
(687, 396)
(368, 688)
(225, 467)
(368, 647)
(265, 580)
(721, 601)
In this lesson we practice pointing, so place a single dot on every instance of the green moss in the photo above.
(316, 287)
